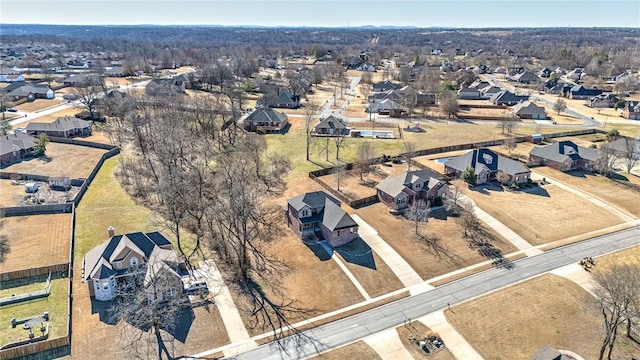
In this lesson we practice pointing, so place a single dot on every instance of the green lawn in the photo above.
(107, 204)
(56, 304)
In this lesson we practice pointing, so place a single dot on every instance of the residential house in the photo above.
(65, 127)
(486, 165)
(631, 110)
(436, 51)
(507, 98)
(385, 86)
(488, 91)
(266, 121)
(603, 101)
(545, 72)
(10, 75)
(125, 255)
(79, 80)
(579, 92)
(398, 192)
(366, 67)
(116, 71)
(318, 216)
(384, 107)
(31, 92)
(529, 110)
(526, 77)
(623, 147)
(286, 100)
(565, 156)
(331, 126)
(576, 74)
(165, 87)
(469, 93)
(15, 147)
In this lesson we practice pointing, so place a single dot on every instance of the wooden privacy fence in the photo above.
(53, 348)
(56, 270)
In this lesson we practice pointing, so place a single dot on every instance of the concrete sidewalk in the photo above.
(236, 330)
(388, 345)
(353, 279)
(457, 345)
(396, 263)
(578, 275)
(601, 203)
(503, 230)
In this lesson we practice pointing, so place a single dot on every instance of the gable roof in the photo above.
(315, 200)
(508, 96)
(385, 85)
(563, 150)
(527, 107)
(27, 89)
(99, 260)
(581, 90)
(335, 218)
(394, 185)
(485, 159)
(284, 98)
(16, 141)
(266, 114)
(66, 123)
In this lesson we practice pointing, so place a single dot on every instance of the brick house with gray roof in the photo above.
(266, 121)
(486, 165)
(318, 216)
(331, 126)
(565, 156)
(15, 147)
(398, 192)
(65, 127)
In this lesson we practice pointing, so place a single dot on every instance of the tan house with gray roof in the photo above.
(398, 192)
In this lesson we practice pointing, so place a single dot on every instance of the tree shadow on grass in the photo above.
(438, 249)
(483, 242)
(103, 309)
(357, 252)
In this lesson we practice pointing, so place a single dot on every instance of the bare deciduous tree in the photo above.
(454, 200)
(559, 106)
(339, 142)
(89, 91)
(617, 297)
(449, 103)
(418, 213)
(510, 143)
(507, 124)
(468, 219)
(410, 150)
(605, 164)
(631, 153)
(366, 153)
(340, 173)
(310, 110)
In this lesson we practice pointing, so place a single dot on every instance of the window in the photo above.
(304, 213)
(401, 200)
(134, 261)
(338, 232)
(118, 264)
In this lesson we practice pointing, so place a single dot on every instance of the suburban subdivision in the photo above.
(318, 192)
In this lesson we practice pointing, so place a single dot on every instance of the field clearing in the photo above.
(39, 104)
(36, 240)
(455, 252)
(356, 351)
(563, 214)
(293, 144)
(417, 328)
(305, 278)
(521, 151)
(515, 322)
(481, 112)
(600, 187)
(352, 186)
(66, 160)
(56, 304)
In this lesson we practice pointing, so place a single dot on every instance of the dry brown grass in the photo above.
(562, 213)
(354, 188)
(627, 256)
(610, 191)
(377, 280)
(36, 240)
(305, 278)
(399, 234)
(521, 151)
(356, 351)
(516, 322)
(66, 160)
(39, 104)
(481, 112)
(11, 195)
(416, 328)
(53, 116)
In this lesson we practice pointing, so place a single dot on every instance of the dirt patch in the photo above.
(516, 322)
(451, 252)
(37, 240)
(563, 214)
(416, 329)
(355, 188)
(63, 160)
(356, 351)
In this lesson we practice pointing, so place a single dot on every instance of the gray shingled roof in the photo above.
(486, 159)
(394, 185)
(333, 217)
(266, 115)
(331, 122)
(25, 90)
(528, 108)
(562, 150)
(507, 96)
(66, 123)
(17, 141)
(314, 200)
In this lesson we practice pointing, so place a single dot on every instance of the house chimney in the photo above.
(111, 231)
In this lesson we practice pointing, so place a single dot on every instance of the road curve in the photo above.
(358, 326)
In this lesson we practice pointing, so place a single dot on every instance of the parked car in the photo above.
(85, 115)
(70, 97)
(12, 110)
(196, 287)
(21, 130)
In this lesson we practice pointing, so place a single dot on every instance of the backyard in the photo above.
(56, 304)
(72, 161)
(39, 104)
(516, 322)
(429, 259)
(36, 240)
(563, 214)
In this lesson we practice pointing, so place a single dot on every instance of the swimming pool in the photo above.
(376, 133)
(442, 160)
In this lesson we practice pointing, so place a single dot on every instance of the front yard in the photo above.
(430, 259)
(541, 214)
(39, 104)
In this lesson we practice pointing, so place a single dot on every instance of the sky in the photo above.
(327, 13)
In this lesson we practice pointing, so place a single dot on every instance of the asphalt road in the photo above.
(393, 314)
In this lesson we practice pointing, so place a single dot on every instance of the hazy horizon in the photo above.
(329, 14)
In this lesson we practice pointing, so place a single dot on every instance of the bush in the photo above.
(514, 186)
